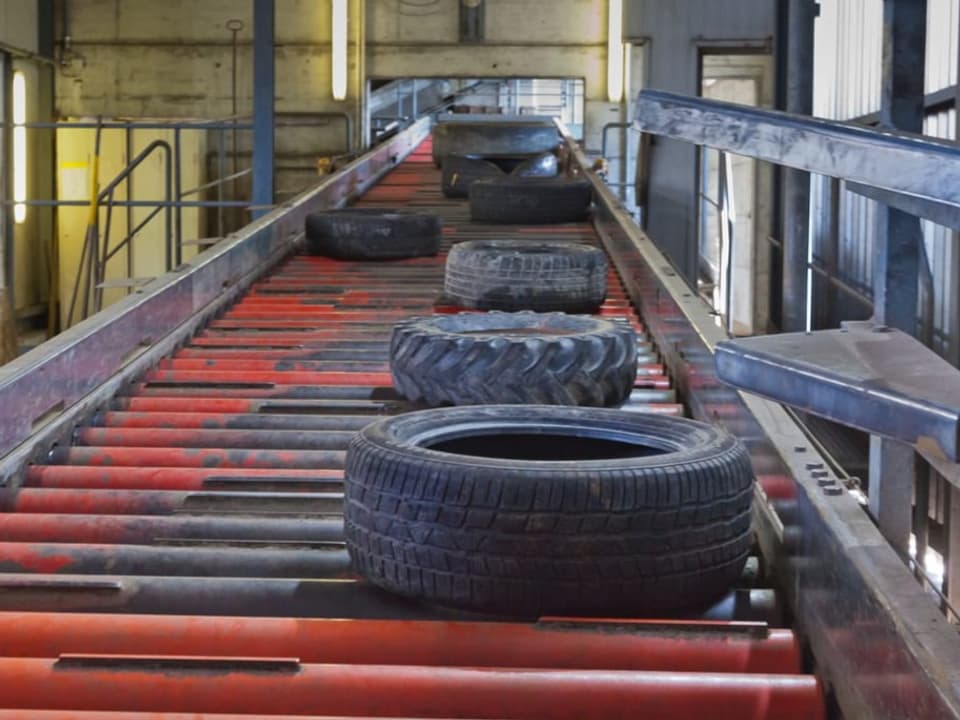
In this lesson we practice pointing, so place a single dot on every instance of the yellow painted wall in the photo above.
(145, 257)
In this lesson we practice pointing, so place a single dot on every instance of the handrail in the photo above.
(107, 194)
(105, 197)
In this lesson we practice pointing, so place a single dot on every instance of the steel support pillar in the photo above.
(7, 277)
(899, 237)
(893, 465)
(893, 468)
(796, 183)
(263, 95)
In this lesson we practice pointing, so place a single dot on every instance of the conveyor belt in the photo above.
(157, 564)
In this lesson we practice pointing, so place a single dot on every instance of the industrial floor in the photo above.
(184, 554)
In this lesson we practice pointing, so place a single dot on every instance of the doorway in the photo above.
(735, 199)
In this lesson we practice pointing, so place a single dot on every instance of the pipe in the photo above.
(204, 438)
(40, 527)
(199, 458)
(179, 478)
(202, 561)
(678, 646)
(112, 501)
(272, 597)
(287, 686)
(610, 126)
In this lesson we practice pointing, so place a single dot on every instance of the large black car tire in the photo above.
(549, 510)
(506, 358)
(373, 234)
(530, 200)
(526, 275)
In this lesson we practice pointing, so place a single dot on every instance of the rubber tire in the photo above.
(542, 165)
(530, 200)
(493, 137)
(637, 535)
(373, 234)
(514, 358)
(526, 275)
(461, 171)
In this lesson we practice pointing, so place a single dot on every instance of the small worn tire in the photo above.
(373, 234)
(506, 358)
(461, 171)
(524, 275)
(536, 200)
(514, 532)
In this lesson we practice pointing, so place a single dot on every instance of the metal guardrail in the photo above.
(921, 175)
(70, 374)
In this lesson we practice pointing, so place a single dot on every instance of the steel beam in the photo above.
(898, 256)
(939, 212)
(898, 161)
(898, 239)
(878, 380)
(796, 183)
(263, 111)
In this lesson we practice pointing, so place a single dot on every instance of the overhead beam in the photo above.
(894, 160)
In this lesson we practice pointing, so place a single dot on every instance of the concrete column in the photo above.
(263, 95)
(796, 183)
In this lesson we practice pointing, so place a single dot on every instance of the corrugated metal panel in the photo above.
(847, 75)
(942, 252)
(943, 19)
(848, 52)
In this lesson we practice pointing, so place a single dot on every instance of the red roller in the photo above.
(200, 458)
(677, 646)
(378, 325)
(260, 353)
(276, 365)
(221, 439)
(90, 715)
(283, 686)
(337, 315)
(777, 486)
(154, 502)
(280, 338)
(222, 421)
(162, 478)
(370, 379)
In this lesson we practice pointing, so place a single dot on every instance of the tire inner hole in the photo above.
(539, 446)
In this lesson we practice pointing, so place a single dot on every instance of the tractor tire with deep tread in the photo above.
(373, 234)
(537, 200)
(523, 275)
(461, 171)
(533, 510)
(507, 358)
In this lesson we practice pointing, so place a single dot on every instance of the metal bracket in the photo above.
(867, 376)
